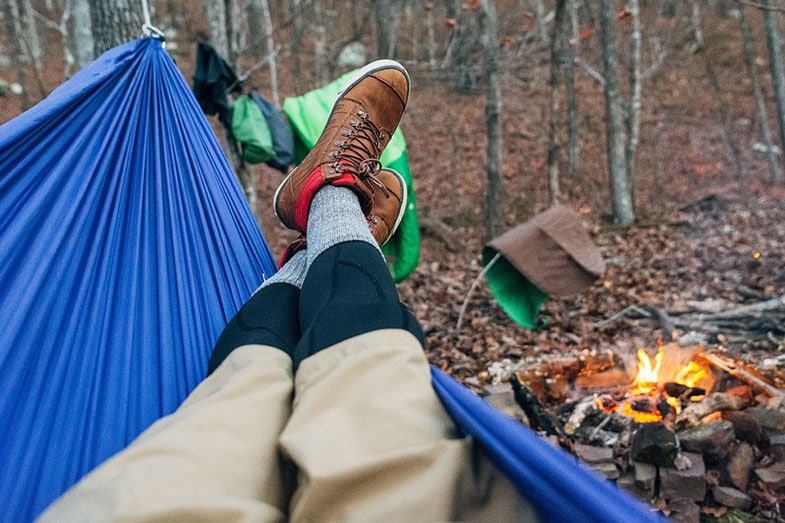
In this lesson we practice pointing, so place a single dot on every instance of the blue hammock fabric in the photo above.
(127, 245)
(558, 486)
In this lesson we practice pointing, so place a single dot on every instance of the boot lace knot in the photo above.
(359, 150)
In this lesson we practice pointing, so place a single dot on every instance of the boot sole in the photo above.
(366, 70)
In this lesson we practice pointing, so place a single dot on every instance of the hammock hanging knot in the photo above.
(152, 31)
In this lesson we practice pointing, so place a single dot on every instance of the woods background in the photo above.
(660, 122)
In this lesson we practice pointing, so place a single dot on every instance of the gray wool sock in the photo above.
(293, 272)
(335, 217)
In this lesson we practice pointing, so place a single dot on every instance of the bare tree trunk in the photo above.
(215, 13)
(573, 117)
(557, 55)
(223, 35)
(14, 28)
(297, 40)
(722, 8)
(65, 41)
(82, 41)
(697, 32)
(752, 68)
(774, 43)
(411, 23)
(32, 36)
(621, 191)
(493, 103)
(634, 105)
(539, 9)
(575, 26)
(668, 8)
(268, 29)
(320, 45)
(61, 28)
(727, 125)
(459, 47)
(235, 30)
(431, 35)
(115, 22)
(255, 22)
(386, 28)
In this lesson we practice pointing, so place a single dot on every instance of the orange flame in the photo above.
(646, 380)
(646, 383)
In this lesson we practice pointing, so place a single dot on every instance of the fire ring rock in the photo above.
(653, 443)
(712, 439)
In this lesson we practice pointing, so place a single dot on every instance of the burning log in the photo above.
(569, 367)
(535, 411)
(738, 371)
(712, 403)
(581, 411)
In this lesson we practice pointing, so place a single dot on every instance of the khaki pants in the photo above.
(358, 434)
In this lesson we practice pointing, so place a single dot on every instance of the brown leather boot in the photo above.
(389, 205)
(361, 123)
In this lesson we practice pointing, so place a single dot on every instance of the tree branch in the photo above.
(591, 71)
(760, 6)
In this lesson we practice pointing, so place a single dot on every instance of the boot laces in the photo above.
(359, 150)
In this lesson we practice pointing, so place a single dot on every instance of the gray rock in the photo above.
(771, 421)
(505, 403)
(645, 476)
(591, 454)
(654, 443)
(684, 511)
(739, 466)
(711, 439)
(609, 470)
(352, 55)
(745, 426)
(687, 484)
(773, 476)
(731, 497)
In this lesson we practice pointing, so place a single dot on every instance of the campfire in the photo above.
(658, 391)
(693, 433)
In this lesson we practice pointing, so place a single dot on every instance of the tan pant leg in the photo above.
(372, 441)
(214, 459)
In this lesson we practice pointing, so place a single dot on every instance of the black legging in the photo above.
(348, 291)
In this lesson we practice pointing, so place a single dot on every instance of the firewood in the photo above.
(535, 411)
(570, 367)
(718, 401)
(737, 370)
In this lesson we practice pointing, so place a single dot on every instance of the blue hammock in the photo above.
(126, 247)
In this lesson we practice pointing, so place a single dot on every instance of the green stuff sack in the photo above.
(249, 127)
(549, 255)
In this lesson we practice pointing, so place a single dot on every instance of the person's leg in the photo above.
(216, 457)
(368, 434)
(270, 316)
(348, 289)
